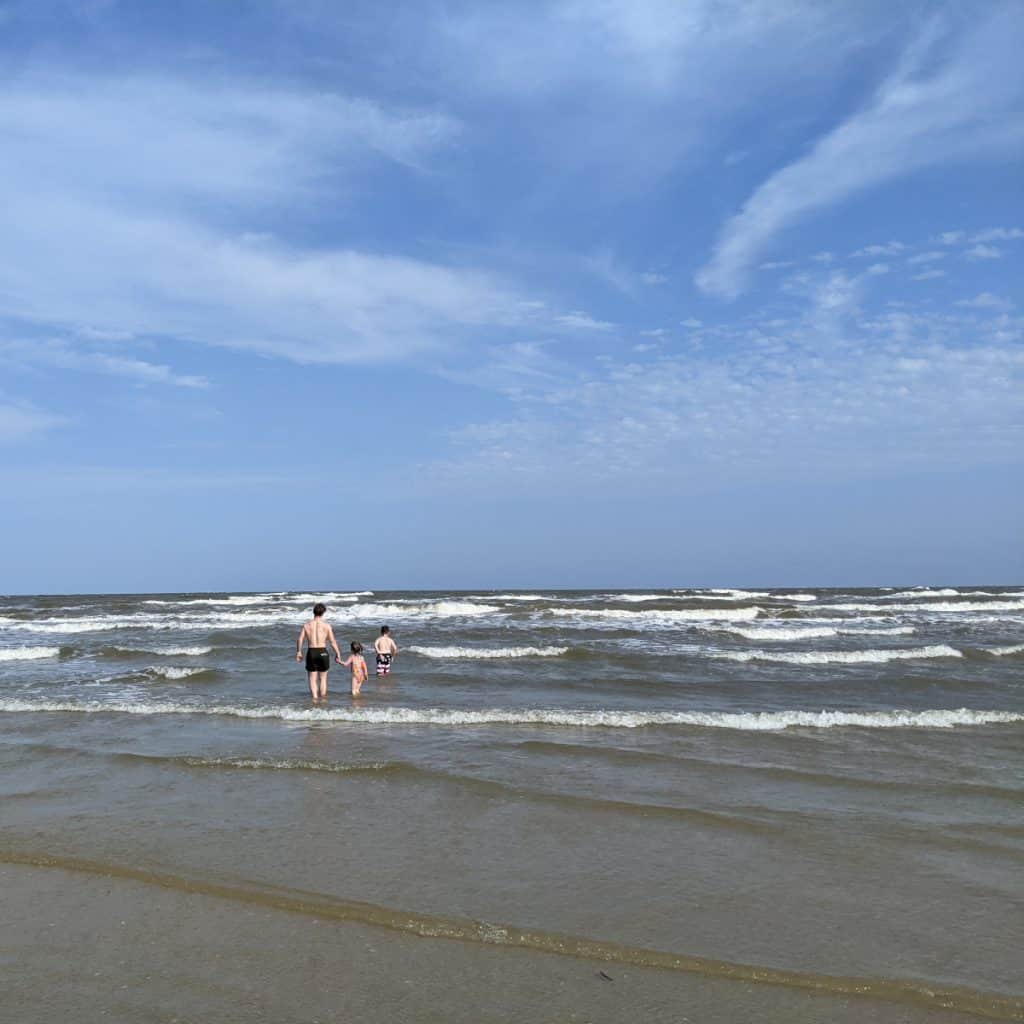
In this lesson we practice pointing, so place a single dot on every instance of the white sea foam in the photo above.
(420, 609)
(55, 626)
(813, 632)
(732, 594)
(843, 657)
(334, 595)
(249, 618)
(174, 671)
(1011, 649)
(489, 652)
(656, 616)
(167, 651)
(931, 606)
(635, 598)
(758, 721)
(28, 653)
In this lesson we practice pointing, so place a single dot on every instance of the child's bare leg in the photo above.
(356, 686)
(313, 684)
(323, 685)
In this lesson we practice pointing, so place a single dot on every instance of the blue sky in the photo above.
(605, 293)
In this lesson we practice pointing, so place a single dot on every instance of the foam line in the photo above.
(755, 721)
(843, 657)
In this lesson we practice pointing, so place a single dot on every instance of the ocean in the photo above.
(667, 805)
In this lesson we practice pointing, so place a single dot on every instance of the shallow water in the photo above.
(785, 789)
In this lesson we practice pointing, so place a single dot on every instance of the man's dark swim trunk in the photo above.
(383, 664)
(317, 659)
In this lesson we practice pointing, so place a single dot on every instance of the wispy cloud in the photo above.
(19, 421)
(983, 252)
(986, 300)
(60, 354)
(150, 220)
(998, 235)
(578, 320)
(920, 117)
(887, 249)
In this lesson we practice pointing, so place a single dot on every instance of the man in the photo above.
(317, 634)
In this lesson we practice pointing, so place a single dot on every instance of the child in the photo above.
(358, 664)
(386, 649)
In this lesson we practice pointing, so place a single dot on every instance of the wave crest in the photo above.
(747, 721)
(489, 652)
(843, 657)
(28, 653)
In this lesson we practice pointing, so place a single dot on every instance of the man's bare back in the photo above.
(317, 634)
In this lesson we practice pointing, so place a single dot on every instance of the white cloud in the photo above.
(983, 252)
(952, 237)
(926, 257)
(20, 421)
(776, 264)
(929, 275)
(146, 139)
(59, 354)
(652, 278)
(919, 118)
(986, 300)
(888, 249)
(858, 393)
(180, 281)
(578, 320)
(692, 323)
(823, 257)
(877, 268)
(998, 235)
(148, 217)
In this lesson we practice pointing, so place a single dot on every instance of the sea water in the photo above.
(790, 789)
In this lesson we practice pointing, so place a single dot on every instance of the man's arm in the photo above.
(298, 644)
(334, 643)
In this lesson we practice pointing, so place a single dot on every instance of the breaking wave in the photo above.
(28, 653)
(756, 721)
(176, 672)
(843, 657)
(931, 606)
(170, 652)
(1011, 649)
(489, 652)
(813, 632)
(660, 615)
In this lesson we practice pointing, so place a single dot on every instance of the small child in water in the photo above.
(386, 649)
(358, 665)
